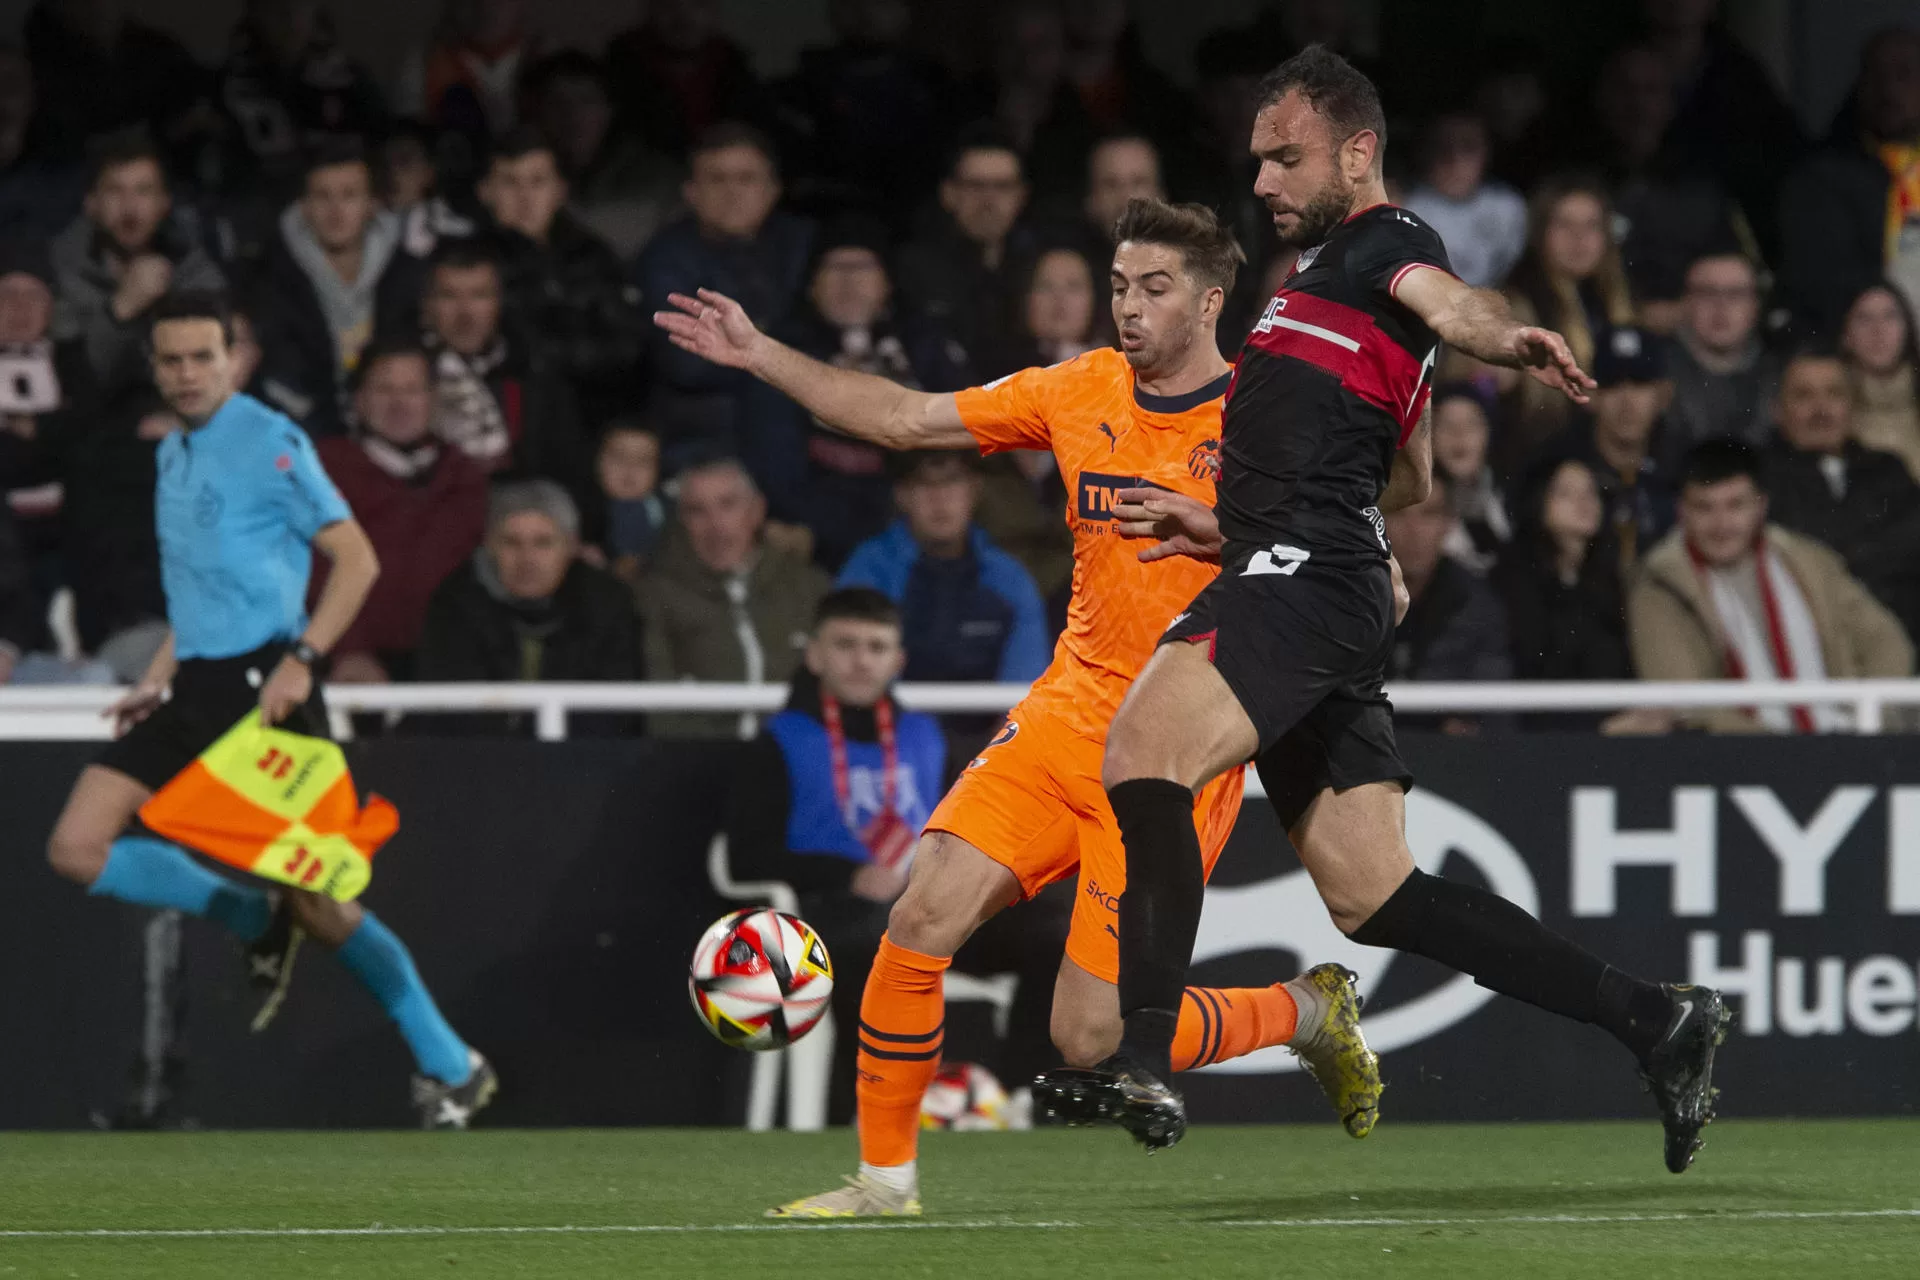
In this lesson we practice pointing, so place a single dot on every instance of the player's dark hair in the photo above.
(856, 604)
(393, 348)
(521, 141)
(331, 153)
(121, 148)
(733, 133)
(193, 304)
(1206, 244)
(1722, 458)
(461, 253)
(1333, 87)
(982, 135)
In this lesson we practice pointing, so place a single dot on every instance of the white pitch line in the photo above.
(224, 1233)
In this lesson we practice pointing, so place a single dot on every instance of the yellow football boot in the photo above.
(862, 1197)
(1335, 1051)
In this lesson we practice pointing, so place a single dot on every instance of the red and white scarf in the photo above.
(1783, 643)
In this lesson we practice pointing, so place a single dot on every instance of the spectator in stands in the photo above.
(1511, 95)
(1724, 378)
(1119, 168)
(407, 177)
(1672, 207)
(565, 287)
(423, 504)
(40, 186)
(1560, 583)
(1570, 280)
(117, 260)
(1849, 214)
(966, 274)
(813, 476)
(630, 523)
(1882, 352)
(970, 611)
(676, 76)
(1728, 596)
(1461, 430)
(526, 607)
(1617, 440)
(468, 77)
(1826, 485)
(735, 241)
(100, 69)
(1062, 312)
(621, 188)
(1222, 173)
(721, 603)
(497, 399)
(1483, 222)
(843, 834)
(1455, 628)
(45, 399)
(333, 273)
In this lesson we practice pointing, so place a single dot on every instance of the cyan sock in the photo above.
(376, 956)
(150, 872)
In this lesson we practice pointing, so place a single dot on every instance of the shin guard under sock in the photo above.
(1159, 911)
(1221, 1023)
(902, 1020)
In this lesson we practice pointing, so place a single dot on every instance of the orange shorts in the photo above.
(1032, 801)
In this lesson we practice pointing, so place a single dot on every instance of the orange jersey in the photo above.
(1106, 436)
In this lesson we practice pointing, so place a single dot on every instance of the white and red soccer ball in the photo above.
(761, 979)
(965, 1097)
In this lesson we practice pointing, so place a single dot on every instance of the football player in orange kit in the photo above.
(1030, 809)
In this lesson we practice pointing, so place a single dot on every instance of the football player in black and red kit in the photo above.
(1281, 659)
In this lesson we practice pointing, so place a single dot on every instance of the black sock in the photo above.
(1159, 912)
(1507, 950)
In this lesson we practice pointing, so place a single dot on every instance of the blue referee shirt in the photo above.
(237, 505)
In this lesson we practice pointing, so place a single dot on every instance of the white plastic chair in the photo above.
(809, 1063)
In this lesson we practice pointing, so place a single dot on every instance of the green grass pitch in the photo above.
(1788, 1199)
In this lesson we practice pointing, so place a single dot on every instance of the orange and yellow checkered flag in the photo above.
(279, 805)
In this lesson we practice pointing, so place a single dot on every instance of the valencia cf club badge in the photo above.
(1204, 461)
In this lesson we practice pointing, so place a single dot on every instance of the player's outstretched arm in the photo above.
(1478, 322)
(715, 327)
(1181, 526)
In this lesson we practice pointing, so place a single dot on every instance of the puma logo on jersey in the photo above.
(1113, 441)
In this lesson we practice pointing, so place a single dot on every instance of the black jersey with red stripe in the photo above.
(1332, 380)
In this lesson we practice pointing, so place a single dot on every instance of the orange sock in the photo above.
(903, 1015)
(1221, 1023)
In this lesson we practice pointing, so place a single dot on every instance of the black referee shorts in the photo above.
(1304, 647)
(209, 697)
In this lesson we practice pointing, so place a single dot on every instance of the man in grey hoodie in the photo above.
(330, 277)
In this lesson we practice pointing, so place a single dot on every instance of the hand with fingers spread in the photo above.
(1546, 357)
(712, 326)
(1183, 526)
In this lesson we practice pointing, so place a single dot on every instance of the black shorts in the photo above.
(209, 697)
(1304, 647)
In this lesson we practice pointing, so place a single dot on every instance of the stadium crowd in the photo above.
(449, 285)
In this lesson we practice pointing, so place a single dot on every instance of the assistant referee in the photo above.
(241, 504)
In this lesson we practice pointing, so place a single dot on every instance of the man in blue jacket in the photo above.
(969, 611)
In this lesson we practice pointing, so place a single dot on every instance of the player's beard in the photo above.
(1327, 210)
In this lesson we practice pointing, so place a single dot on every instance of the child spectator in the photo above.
(630, 519)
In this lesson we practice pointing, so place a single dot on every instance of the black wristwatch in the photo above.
(306, 655)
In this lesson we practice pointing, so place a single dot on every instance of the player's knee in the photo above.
(327, 922)
(75, 855)
(929, 923)
(1084, 1041)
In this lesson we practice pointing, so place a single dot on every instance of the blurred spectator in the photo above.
(1850, 212)
(424, 506)
(621, 188)
(331, 276)
(843, 834)
(966, 273)
(496, 398)
(1616, 439)
(732, 240)
(1823, 483)
(969, 610)
(1455, 628)
(1560, 581)
(407, 180)
(832, 484)
(1029, 57)
(720, 602)
(525, 607)
(466, 79)
(1062, 311)
(870, 114)
(45, 398)
(288, 85)
(1724, 378)
(1483, 222)
(117, 260)
(676, 77)
(1571, 281)
(1882, 353)
(1672, 209)
(40, 187)
(566, 289)
(99, 69)
(1511, 96)
(1118, 169)
(1728, 596)
(1461, 430)
(1222, 172)
(630, 523)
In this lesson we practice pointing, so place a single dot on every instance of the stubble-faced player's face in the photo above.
(192, 366)
(1159, 310)
(1308, 175)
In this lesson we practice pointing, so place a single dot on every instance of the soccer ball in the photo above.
(965, 1098)
(760, 979)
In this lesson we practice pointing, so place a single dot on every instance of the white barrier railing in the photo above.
(74, 711)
